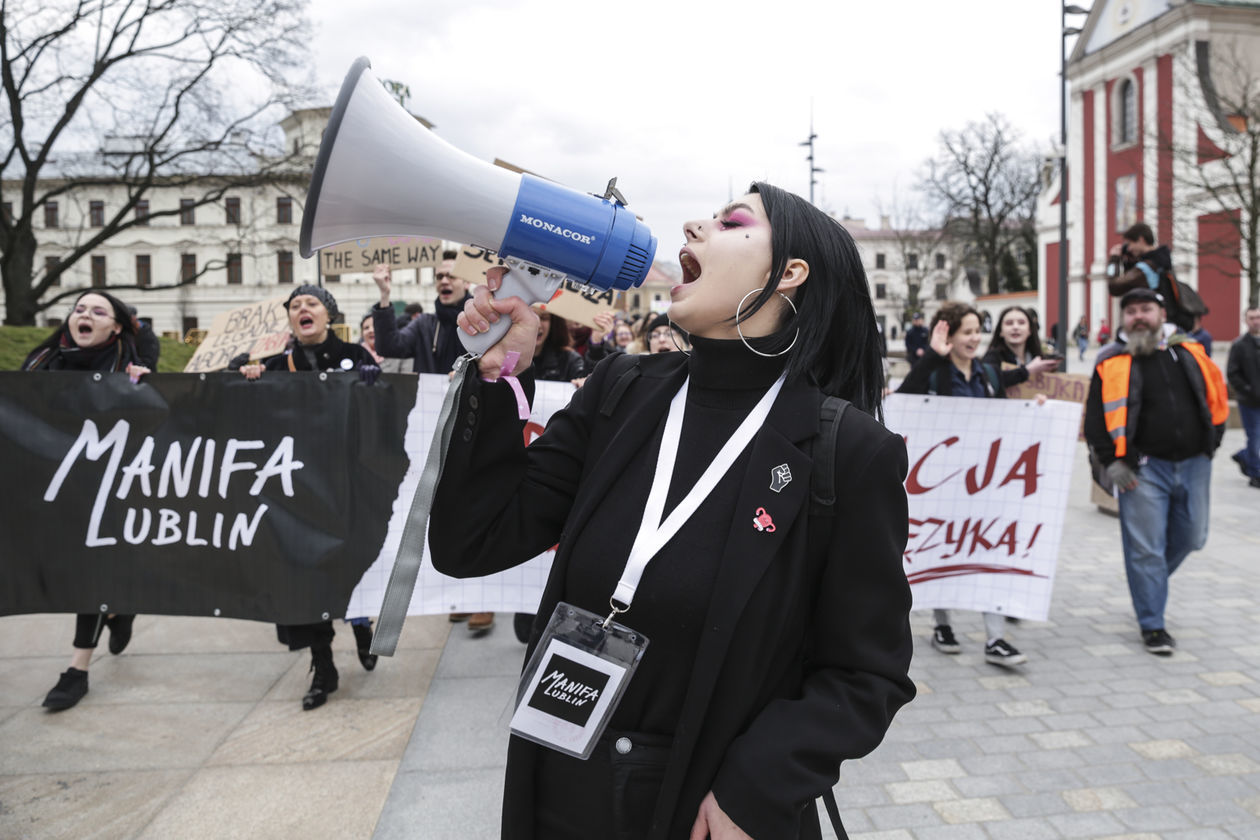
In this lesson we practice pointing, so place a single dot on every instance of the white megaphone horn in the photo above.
(381, 173)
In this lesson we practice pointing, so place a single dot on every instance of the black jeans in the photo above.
(612, 794)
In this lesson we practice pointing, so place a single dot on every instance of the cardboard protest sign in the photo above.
(472, 263)
(260, 329)
(1069, 387)
(987, 487)
(362, 255)
(575, 303)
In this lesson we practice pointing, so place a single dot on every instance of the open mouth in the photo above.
(85, 329)
(690, 266)
(306, 321)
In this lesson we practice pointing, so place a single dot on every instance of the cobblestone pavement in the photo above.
(1093, 737)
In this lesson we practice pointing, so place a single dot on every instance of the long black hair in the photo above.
(1032, 347)
(838, 347)
(60, 337)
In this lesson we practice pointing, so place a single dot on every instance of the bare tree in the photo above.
(127, 96)
(985, 182)
(1221, 177)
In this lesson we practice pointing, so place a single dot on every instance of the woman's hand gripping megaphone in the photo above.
(484, 315)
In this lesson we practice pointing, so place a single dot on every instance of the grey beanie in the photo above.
(323, 295)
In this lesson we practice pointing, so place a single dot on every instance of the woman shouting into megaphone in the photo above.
(745, 531)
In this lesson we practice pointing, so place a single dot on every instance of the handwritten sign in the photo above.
(260, 329)
(1069, 387)
(362, 255)
(988, 486)
(472, 263)
(575, 303)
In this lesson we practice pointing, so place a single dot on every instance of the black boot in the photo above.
(69, 690)
(119, 632)
(363, 639)
(325, 680)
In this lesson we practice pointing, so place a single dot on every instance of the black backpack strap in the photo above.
(822, 502)
(833, 811)
(620, 384)
(822, 482)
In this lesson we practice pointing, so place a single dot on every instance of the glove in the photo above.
(1122, 475)
(368, 374)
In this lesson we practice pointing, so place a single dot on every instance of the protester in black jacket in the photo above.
(99, 335)
(1243, 373)
(315, 347)
(429, 338)
(1016, 343)
(779, 639)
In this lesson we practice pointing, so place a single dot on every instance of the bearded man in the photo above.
(1155, 415)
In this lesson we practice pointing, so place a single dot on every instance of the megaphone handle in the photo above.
(521, 283)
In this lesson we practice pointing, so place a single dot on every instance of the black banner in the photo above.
(196, 494)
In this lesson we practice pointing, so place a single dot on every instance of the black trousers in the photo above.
(298, 636)
(612, 794)
(87, 629)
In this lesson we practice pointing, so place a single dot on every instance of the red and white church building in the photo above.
(1144, 112)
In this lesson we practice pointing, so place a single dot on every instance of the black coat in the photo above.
(329, 355)
(1243, 370)
(810, 644)
(931, 375)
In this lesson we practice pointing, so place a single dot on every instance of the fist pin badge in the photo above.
(780, 477)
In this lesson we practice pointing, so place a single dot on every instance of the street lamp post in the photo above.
(813, 170)
(1063, 240)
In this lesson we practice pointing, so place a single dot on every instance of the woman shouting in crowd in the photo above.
(99, 336)
(778, 626)
(315, 347)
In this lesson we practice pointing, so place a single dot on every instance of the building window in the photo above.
(284, 210)
(879, 260)
(912, 260)
(144, 274)
(233, 208)
(1126, 113)
(190, 323)
(881, 291)
(234, 269)
(50, 267)
(942, 291)
(50, 215)
(96, 213)
(188, 268)
(284, 267)
(98, 272)
(6, 209)
(1126, 202)
(142, 213)
(940, 260)
(187, 212)
(913, 293)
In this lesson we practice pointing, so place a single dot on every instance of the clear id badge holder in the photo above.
(575, 679)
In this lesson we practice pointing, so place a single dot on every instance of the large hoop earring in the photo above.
(740, 308)
(673, 329)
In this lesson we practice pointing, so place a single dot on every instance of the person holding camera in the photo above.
(1136, 262)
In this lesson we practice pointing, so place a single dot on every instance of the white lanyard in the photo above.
(653, 533)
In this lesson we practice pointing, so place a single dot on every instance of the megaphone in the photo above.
(380, 172)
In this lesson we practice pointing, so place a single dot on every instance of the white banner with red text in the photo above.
(988, 486)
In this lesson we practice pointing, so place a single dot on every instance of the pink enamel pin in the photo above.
(763, 522)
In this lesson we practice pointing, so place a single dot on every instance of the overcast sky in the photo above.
(688, 101)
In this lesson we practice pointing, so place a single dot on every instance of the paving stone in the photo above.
(1098, 799)
(972, 810)
(1060, 740)
(1153, 818)
(1086, 825)
(903, 816)
(1036, 804)
(1159, 750)
(1222, 765)
(979, 786)
(935, 769)
(904, 793)
(1026, 829)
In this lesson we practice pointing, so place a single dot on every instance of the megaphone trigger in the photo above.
(530, 283)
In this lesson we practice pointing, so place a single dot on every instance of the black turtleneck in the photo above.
(446, 344)
(726, 381)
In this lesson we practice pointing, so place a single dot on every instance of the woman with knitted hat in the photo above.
(315, 347)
